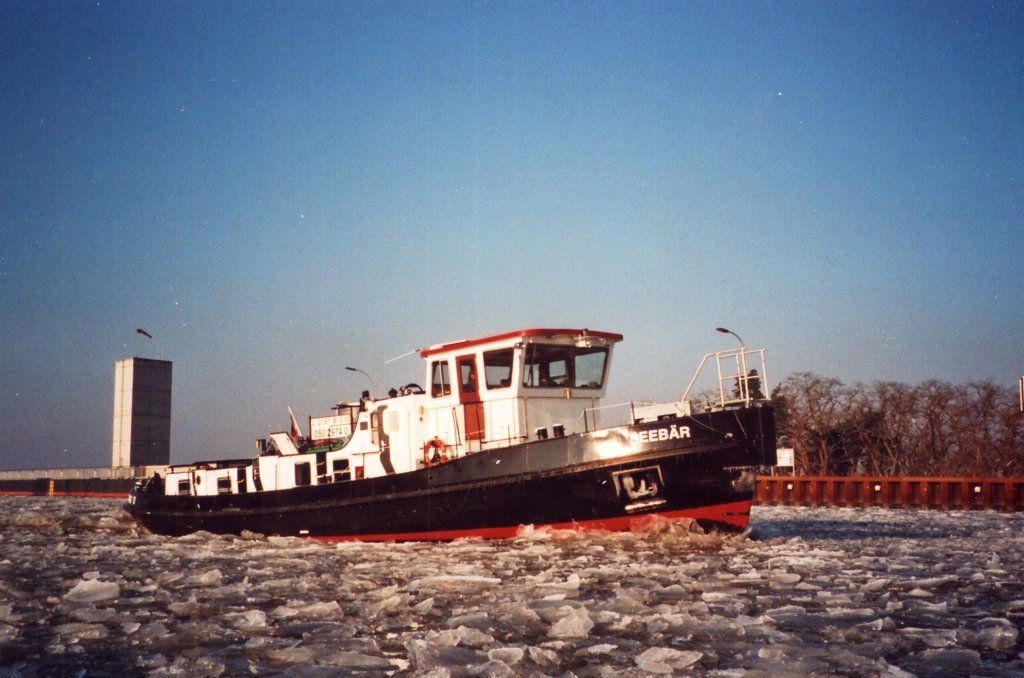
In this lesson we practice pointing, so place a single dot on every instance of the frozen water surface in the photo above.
(84, 591)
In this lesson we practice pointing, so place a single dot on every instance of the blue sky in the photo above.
(277, 190)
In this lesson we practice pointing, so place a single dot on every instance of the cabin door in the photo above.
(469, 397)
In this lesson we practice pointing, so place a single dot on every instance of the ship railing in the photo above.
(741, 375)
(589, 415)
(630, 413)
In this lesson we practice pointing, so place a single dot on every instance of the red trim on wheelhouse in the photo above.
(534, 332)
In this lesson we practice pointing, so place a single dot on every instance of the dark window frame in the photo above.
(562, 366)
(224, 485)
(440, 379)
(303, 474)
(498, 366)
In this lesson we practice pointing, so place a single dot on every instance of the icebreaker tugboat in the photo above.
(503, 436)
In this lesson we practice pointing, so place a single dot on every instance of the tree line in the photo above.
(894, 429)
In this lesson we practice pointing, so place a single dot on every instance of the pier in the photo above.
(74, 482)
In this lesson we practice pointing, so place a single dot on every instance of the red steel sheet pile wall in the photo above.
(1000, 494)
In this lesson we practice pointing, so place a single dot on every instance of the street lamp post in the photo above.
(722, 330)
(372, 387)
(742, 376)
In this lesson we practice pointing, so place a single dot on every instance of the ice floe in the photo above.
(84, 591)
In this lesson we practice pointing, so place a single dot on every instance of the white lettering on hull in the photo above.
(657, 435)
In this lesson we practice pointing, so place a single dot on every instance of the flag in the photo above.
(296, 432)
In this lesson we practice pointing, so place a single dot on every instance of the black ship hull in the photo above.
(698, 467)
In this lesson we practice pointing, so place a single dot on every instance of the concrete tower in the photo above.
(142, 412)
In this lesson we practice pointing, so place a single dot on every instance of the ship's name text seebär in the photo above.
(656, 435)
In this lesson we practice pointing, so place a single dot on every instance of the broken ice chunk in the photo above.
(204, 579)
(850, 614)
(454, 582)
(920, 606)
(252, 619)
(93, 615)
(289, 655)
(93, 591)
(284, 612)
(575, 623)
(783, 579)
(666, 660)
(884, 624)
(151, 631)
(776, 653)
(721, 596)
(7, 632)
(950, 662)
(76, 631)
(875, 585)
(543, 657)
(933, 638)
(507, 655)
(492, 669)
(320, 610)
(425, 654)
(997, 633)
(356, 661)
(470, 637)
(934, 582)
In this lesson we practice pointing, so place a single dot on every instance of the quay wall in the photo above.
(999, 494)
(75, 482)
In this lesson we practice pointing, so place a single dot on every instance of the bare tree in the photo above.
(935, 408)
(815, 407)
(989, 433)
(896, 448)
(890, 428)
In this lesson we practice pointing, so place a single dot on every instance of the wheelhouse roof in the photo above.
(463, 344)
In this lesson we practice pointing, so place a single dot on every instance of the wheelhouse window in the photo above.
(498, 368)
(441, 381)
(467, 374)
(588, 367)
(548, 366)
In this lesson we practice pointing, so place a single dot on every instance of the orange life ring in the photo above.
(434, 452)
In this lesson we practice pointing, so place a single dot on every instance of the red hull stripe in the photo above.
(736, 514)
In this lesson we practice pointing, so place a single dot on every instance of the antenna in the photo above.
(399, 357)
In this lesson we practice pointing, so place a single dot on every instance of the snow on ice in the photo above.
(84, 591)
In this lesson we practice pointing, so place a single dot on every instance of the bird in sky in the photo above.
(144, 333)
